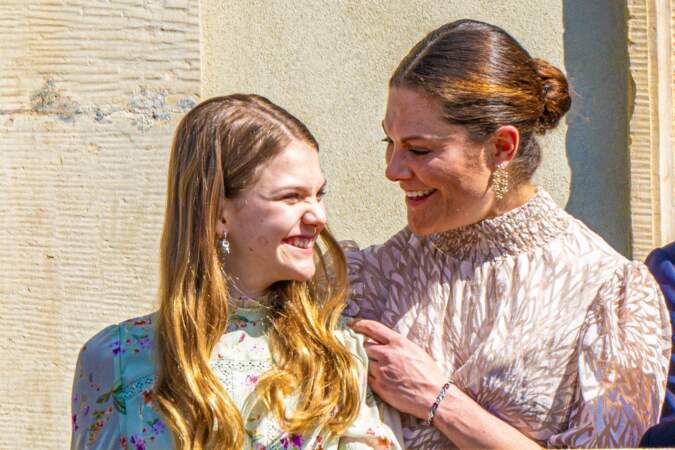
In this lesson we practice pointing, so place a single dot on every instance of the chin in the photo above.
(302, 274)
(426, 226)
(420, 229)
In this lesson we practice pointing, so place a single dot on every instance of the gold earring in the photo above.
(500, 181)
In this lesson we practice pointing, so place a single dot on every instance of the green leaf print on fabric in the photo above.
(119, 402)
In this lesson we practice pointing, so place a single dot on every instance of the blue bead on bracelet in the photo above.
(439, 399)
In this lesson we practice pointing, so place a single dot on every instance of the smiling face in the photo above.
(444, 174)
(272, 226)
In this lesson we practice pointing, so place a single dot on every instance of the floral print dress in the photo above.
(112, 403)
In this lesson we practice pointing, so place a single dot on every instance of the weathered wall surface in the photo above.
(328, 62)
(89, 96)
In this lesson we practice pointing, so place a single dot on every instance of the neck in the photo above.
(241, 298)
(241, 280)
(241, 290)
(515, 198)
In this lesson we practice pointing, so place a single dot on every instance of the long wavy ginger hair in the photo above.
(218, 149)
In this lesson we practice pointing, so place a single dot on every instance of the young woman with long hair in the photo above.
(248, 348)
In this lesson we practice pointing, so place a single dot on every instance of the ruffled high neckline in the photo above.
(519, 230)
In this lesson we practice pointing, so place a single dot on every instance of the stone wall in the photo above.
(90, 93)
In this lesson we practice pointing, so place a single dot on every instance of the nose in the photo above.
(315, 214)
(397, 169)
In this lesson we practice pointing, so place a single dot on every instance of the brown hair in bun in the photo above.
(485, 79)
(556, 94)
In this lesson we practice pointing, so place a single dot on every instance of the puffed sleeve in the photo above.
(95, 409)
(378, 426)
(623, 353)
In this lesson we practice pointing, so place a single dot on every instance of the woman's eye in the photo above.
(322, 193)
(291, 196)
(418, 151)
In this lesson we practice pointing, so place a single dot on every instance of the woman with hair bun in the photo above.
(248, 348)
(497, 320)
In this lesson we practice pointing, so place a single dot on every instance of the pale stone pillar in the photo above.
(651, 27)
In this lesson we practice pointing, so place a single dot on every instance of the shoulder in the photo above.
(379, 256)
(378, 271)
(588, 257)
(630, 307)
(111, 348)
(350, 339)
(633, 280)
(661, 264)
(115, 371)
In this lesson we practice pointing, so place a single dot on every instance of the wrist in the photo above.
(440, 396)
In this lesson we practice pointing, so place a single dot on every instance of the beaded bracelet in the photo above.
(437, 402)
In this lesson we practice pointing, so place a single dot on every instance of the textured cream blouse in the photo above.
(534, 316)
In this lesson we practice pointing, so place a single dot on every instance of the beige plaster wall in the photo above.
(90, 92)
(328, 62)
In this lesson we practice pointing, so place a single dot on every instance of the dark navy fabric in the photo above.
(661, 263)
(659, 436)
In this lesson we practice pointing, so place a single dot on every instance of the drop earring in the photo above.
(224, 244)
(500, 181)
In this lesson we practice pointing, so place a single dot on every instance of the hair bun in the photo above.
(555, 95)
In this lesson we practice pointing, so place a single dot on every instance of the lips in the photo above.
(419, 194)
(417, 198)
(301, 242)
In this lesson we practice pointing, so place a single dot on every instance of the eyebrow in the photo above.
(417, 137)
(299, 187)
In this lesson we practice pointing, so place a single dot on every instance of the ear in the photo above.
(221, 225)
(506, 141)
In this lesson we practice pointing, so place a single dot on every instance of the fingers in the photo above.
(374, 330)
(375, 351)
(374, 385)
(374, 370)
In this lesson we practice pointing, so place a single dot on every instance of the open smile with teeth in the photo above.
(419, 194)
(301, 242)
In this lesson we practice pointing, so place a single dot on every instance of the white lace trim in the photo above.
(225, 368)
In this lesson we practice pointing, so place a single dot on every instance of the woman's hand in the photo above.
(404, 376)
(399, 371)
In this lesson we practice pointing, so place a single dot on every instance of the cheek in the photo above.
(459, 176)
(269, 232)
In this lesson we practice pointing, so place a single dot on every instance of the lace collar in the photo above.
(520, 230)
(238, 300)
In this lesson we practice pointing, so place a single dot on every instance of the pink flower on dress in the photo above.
(138, 441)
(294, 440)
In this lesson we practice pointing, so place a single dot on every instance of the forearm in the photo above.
(469, 425)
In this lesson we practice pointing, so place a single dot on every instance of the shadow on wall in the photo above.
(596, 61)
